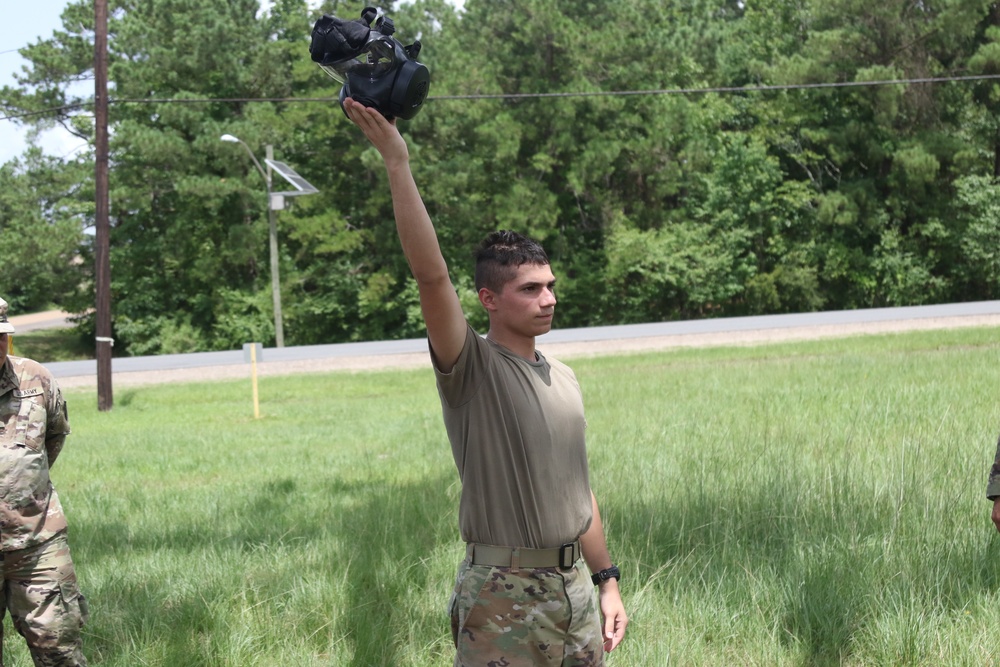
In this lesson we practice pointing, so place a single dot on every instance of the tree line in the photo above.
(677, 159)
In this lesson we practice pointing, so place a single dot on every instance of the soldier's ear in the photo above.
(488, 299)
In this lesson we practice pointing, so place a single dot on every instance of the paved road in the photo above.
(51, 319)
(316, 354)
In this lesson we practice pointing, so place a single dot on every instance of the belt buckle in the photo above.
(567, 555)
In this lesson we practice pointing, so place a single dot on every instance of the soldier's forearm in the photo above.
(593, 542)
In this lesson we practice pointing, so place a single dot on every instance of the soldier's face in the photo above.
(526, 303)
(4, 342)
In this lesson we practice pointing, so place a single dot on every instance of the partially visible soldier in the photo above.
(37, 580)
(993, 488)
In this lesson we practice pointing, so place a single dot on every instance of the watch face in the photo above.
(610, 573)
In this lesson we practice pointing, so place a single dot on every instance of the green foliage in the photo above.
(43, 213)
(652, 206)
(673, 270)
(53, 345)
(978, 199)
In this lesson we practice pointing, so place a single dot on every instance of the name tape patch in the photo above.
(26, 393)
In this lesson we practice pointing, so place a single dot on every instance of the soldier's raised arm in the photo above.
(446, 326)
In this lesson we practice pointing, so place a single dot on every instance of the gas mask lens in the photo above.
(376, 62)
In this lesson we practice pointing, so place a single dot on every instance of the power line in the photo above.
(516, 96)
(724, 89)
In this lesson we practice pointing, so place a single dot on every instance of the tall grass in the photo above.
(815, 503)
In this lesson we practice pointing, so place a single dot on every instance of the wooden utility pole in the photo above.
(102, 270)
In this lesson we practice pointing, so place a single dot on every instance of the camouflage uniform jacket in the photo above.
(993, 486)
(33, 427)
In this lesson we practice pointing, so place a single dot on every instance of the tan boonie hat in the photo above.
(5, 326)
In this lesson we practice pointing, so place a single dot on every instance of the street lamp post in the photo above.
(279, 327)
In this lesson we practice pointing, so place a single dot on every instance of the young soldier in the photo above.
(37, 581)
(523, 595)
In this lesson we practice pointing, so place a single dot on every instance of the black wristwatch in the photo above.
(610, 573)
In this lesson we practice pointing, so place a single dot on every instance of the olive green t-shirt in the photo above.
(517, 434)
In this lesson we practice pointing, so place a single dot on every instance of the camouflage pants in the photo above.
(525, 618)
(39, 589)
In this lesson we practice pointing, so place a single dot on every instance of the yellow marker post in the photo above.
(254, 351)
(253, 373)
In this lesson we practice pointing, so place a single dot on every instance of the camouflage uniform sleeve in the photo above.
(993, 486)
(57, 426)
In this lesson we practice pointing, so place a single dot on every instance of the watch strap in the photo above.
(610, 573)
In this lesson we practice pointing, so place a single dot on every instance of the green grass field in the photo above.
(814, 503)
(53, 345)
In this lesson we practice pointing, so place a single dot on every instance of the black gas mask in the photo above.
(374, 67)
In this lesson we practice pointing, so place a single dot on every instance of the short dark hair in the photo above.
(500, 255)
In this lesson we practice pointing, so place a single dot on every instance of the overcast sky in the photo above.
(22, 24)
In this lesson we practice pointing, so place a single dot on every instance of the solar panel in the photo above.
(301, 185)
